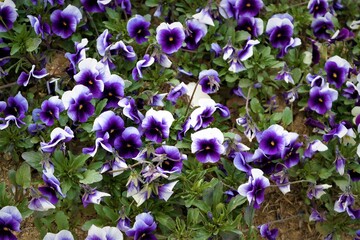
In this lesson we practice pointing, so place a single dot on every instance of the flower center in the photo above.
(171, 39)
(279, 35)
(248, 5)
(272, 143)
(81, 107)
(64, 23)
(207, 148)
(90, 82)
(50, 112)
(317, 8)
(110, 94)
(249, 29)
(128, 145)
(6, 229)
(320, 100)
(334, 75)
(112, 130)
(139, 31)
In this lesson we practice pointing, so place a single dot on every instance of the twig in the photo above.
(8, 85)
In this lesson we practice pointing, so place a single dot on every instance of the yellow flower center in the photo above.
(279, 35)
(171, 39)
(320, 100)
(81, 107)
(272, 143)
(248, 5)
(334, 75)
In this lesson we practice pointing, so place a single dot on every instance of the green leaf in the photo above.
(151, 3)
(78, 161)
(23, 175)
(100, 106)
(218, 193)
(287, 117)
(165, 220)
(15, 48)
(249, 215)
(88, 224)
(32, 44)
(110, 214)
(193, 215)
(220, 62)
(61, 220)
(91, 176)
(235, 202)
(256, 106)
(241, 36)
(33, 159)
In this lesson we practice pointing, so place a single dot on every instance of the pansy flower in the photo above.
(170, 159)
(50, 110)
(92, 74)
(207, 144)
(64, 22)
(99, 141)
(62, 235)
(254, 26)
(265, 232)
(125, 5)
(138, 28)
(170, 36)
(176, 92)
(156, 125)
(24, 78)
(316, 216)
(56, 136)
(272, 140)
(94, 6)
(130, 110)
(337, 70)
(108, 122)
(314, 146)
(105, 233)
(128, 143)
(318, 8)
(40, 203)
(254, 189)
(227, 9)
(79, 55)
(10, 220)
(166, 190)
(8, 15)
(103, 42)
(39, 26)
(194, 32)
(321, 99)
(249, 7)
(14, 110)
(77, 102)
(92, 195)
(143, 227)
(204, 16)
(113, 90)
(316, 191)
(242, 55)
(321, 25)
(209, 81)
(147, 61)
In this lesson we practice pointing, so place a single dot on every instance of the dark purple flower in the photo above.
(92, 74)
(157, 100)
(103, 42)
(314, 146)
(249, 7)
(315, 80)
(128, 143)
(170, 36)
(113, 90)
(344, 202)
(321, 99)
(207, 145)
(94, 6)
(338, 130)
(108, 122)
(130, 110)
(64, 22)
(254, 190)
(77, 102)
(49, 178)
(10, 220)
(341, 35)
(242, 55)
(216, 49)
(316, 216)
(40, 203)
(99, 141)
(337, 70)
(316, 191)
(254, 26)
(156, 125)
(280, 31)
(138, 28)
(14, 110)
(318, 8)
(227, 9)
(265, 232)
(8, 15)
(241, 161)
(285, 75)
(50, 110)
(290, 155)
(315, 52)
(57, 135)
(4, 52)
(79, 55)
(125, 5)
(272, 140)
(49, 193)
(281, 178)
(209, 81)
(250, 128)
(24, 78)
(166, 190)
(124, 223)
(62, 235)
(176, 92)
(170, 159)
(147, 61)
(92, 195)
(143, 228)
(321, 25)
(204, 16)
(40, 27)
(194, 32)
